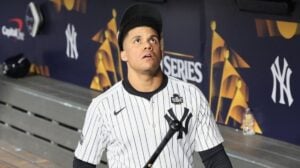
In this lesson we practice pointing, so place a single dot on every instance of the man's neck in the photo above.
(145, 82)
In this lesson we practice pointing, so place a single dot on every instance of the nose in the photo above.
(148, 46)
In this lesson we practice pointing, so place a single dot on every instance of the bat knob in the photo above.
(175, 125)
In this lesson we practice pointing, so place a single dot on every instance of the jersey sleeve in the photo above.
(94, 135)
(207, 133)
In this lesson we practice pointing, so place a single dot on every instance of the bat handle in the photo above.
(175, 125)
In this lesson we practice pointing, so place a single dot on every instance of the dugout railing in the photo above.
(44, 116)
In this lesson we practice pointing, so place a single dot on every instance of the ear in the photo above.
(123, 56)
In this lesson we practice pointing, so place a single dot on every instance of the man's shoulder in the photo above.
(177, 81)
(110, 91)
(191, 88)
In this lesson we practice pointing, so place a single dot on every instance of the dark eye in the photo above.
(153, 40)
(137, 41)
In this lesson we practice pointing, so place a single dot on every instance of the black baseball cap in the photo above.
(139, 15)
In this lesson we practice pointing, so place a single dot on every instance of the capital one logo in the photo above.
(14, 32)
(71, 36)
(282, 78)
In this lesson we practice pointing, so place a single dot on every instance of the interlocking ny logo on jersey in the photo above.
(176, 99)
(185, 118)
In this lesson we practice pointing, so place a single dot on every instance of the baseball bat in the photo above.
(175, 126)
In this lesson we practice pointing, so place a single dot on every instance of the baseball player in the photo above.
(132, 118)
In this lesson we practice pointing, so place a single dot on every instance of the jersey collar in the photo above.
(147, 95)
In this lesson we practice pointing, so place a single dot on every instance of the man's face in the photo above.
(142, 50)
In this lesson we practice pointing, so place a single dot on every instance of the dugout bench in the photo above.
(44, 116)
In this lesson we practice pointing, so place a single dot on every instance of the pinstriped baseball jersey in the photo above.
(131, 127)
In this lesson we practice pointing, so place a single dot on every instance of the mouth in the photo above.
(147, 55)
